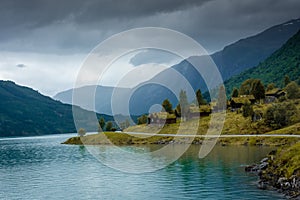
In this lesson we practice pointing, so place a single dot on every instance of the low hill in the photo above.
(284, 61)
(24, 112)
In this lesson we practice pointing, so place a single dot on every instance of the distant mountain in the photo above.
(284, 61)
(243, 54)
(25, 112)
(232, 60)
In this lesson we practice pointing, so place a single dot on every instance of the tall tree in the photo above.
(258, 89)
(184, 105)
(254, 87)
(235, 92)
(178, 110)
(245, 88)
(286, 80)
(222, 99)
(200, 99)
(101, 124)
(167, 106)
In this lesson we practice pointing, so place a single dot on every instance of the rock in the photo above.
(262, 185)
(250, 168)
(282, 180)
(264, 160)
(263, 165)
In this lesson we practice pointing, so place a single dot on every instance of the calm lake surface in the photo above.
(42, 168)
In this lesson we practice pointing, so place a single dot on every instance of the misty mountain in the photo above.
(232, 60)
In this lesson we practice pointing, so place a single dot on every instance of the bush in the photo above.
(247, 110)
(292, 90)
(280, 115)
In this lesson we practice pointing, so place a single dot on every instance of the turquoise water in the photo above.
(42, 168)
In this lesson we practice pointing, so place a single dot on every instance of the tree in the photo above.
(253, 87)
(142, 119)
(101, 124)
(258, 89)
(245, 88)
(292, 90)
(200, 99)
(222, 99)
(81, 132)
(184, 105)
(247, 109)
(109, 126)
(235, 92)
(167, 106)
(286, 80)
(280, 115)
(178, 110)
(270, 87)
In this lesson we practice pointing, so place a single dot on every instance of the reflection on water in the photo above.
(42, 168)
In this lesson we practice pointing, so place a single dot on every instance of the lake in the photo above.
(42, 168)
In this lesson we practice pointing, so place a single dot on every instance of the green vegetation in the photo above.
(200, 100)
(142, 119)
(283, 170)
(25, 112)
(167, 106)
(109, 126)
(285, 62)
(235, 92)
(292, 90)
(253, 87)
(101, 124)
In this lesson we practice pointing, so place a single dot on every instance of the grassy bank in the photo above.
(283, 171)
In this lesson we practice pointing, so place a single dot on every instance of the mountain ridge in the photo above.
(232, 60)
(26, 112)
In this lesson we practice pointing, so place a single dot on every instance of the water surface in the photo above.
(42, 168)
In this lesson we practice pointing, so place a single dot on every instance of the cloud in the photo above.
(153, 56)
(53, 37)
(73, 26)
(21, 65)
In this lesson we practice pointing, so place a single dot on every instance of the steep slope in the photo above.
(284, 61)
(232, 60)
(243, 54)
(24, 112)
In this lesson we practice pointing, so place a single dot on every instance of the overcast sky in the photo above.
(44, 42)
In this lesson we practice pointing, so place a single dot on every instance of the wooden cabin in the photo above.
(196, 111)
(274, 94)
(238, 102)
(160, 118)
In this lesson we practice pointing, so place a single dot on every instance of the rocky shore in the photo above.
(280, 171)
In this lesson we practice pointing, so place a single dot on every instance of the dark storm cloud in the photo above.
(35, 13)
(74, 25)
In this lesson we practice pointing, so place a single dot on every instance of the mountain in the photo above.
(232, 60)
(243, 54)
(24, 112)
(284, 61)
